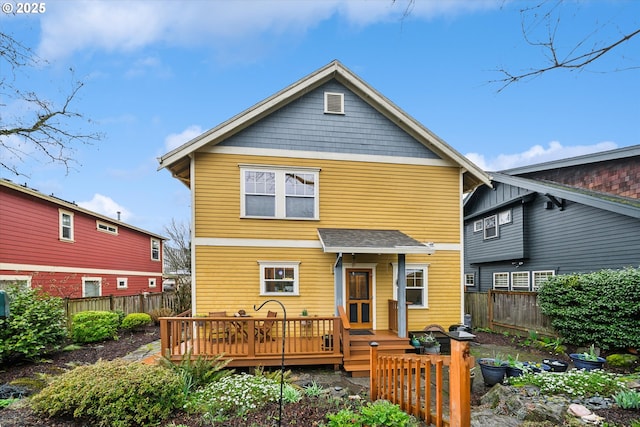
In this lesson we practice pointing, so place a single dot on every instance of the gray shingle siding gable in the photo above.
(303, 125)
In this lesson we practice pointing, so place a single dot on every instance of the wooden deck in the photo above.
(250, 341)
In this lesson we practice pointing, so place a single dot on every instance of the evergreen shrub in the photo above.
(36, 324)
(94, 326)
(602, 307)
(135, 320)
(113, 393)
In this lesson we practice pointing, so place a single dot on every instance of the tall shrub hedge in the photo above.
(601, 308)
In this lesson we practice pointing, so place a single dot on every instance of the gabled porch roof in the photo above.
(364, 241)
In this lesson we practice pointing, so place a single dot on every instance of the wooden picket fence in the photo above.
(141, 303)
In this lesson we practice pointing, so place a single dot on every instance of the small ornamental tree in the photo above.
(601, 308)
(36, 324)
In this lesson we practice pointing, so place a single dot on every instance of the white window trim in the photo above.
(516, 287)
(473, 279)
(495, 217)
(122, 283)
(280, 195)
(159, 249)
(425, 276)
(504, 217)
(15, 278)
(272, 264)
(152, 282)
(478, 225)
(326, 103)
(91, 279)
(502, 273)
(534, 286)
(105, 227)
(61, 213)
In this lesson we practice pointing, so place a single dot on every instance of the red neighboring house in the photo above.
(68, 251)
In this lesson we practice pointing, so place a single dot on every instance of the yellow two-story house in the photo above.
(328, 198)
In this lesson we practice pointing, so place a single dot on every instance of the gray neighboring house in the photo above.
(574, 215)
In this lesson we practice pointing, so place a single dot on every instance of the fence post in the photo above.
(373, 371)
(460, 379)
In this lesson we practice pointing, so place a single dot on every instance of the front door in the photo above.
(359, 303)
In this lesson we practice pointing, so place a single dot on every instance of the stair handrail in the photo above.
(344, 333)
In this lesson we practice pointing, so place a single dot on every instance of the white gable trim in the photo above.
(320, 155)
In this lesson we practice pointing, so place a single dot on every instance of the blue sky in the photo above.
(158, 73)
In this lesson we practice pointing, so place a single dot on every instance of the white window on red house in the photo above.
(91, 287)
(66, 225)
(155, 249)
(152, 282)
(122, 282)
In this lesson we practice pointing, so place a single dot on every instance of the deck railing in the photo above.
(417, 383)
(308, 339)
(392, 312)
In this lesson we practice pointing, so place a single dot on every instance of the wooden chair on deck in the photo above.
(263, 331)
(219, 329)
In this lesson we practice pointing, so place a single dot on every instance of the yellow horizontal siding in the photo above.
(422, 201)
(229, 279)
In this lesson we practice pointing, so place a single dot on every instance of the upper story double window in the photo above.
(277, 192)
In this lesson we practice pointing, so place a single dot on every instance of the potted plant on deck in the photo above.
(587, 360)
(429, 344)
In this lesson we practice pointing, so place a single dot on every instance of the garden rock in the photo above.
(525, 404)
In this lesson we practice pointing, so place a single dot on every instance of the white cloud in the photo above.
(175, 140)
(128, 26)
(537, 154)
(106, 206)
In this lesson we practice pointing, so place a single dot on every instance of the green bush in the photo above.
(601, 307)
(94, 326)
(36, 324)
(112, 393)
(135, 320)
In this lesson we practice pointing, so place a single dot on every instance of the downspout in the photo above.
(338, 283)
(402, 297)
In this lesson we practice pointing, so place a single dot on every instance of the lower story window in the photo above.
(23, 282)
(416, 278)
(501, 281)
(122, 283)
(279, 277)
(152, 282)
(539, 277)
(520, 281)
(91, 287)
(469, 279)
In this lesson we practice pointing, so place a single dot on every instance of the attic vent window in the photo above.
(333, 103)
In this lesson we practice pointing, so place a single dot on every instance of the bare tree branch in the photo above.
(573, 60)
(42, 128)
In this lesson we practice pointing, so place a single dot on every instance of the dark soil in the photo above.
(306, 413)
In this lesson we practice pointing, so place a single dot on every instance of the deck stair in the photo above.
(357, 363)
